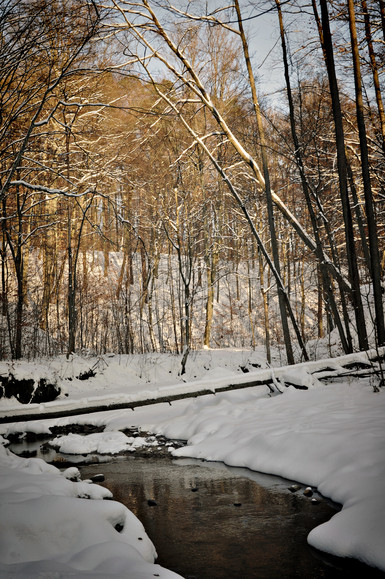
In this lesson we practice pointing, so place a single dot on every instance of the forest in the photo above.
(159, 194)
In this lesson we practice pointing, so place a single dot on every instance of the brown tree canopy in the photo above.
(135, 176)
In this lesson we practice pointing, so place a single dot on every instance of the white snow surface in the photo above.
(329, 436)
(49, 527)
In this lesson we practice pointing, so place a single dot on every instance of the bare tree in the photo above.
(327, 45)
(307, 192)
(269, 201)
(374, 266)
(33, 65)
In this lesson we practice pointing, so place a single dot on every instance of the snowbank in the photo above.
(328, 436)
(332, 437)
(49, 527)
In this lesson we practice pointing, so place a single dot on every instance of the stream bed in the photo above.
(209, 521)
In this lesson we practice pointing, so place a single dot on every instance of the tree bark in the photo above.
(269, 200)
(375, 266)
(382, 11)
(299, 161)
(374, 67)
(342, 175)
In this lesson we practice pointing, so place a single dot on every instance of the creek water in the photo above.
(208, 521)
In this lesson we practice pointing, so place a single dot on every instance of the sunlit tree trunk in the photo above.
(211, 270)
(50, 262)
(170, 278)
(269, 201)
(374, 67)
(375, 267)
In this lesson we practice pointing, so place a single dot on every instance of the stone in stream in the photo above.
(294, 488)
(97, 478)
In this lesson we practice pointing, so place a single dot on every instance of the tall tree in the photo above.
(306, 190)
(327, 45)
(375, 266)
(382, 11)
(40, 42)
(373, 66)
(269, 201)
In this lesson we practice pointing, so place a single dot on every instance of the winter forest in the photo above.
(170, 181)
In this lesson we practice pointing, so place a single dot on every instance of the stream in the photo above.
(210, 521)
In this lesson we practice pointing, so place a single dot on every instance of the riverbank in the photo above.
(330, 437)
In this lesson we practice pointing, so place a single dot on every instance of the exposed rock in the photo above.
(294, 488)
(45, 392)
(28, 436)
(27, 391)
(28, 453)
(76, 429)
(357, 366)
(22, 389)
(97, 478)
(155, 444)
(86, 375)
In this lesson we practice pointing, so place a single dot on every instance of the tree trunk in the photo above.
(374, 266)
(172, 298)
(373, 66)
(342, 174)
(382, 11)
(49, 266)
(269, 201)
(298, 158)
(265, 297)
(211, 268)
(320, 325)
(71, 290)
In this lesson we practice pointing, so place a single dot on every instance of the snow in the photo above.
(330, 436)
(128, 378)
(102, 443)
(49, 523)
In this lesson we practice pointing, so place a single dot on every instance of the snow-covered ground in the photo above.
(49, 529)
(328, 436)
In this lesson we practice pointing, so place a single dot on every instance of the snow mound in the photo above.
(48, 530)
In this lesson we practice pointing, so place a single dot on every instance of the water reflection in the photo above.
(39, 449)
(213, 522)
